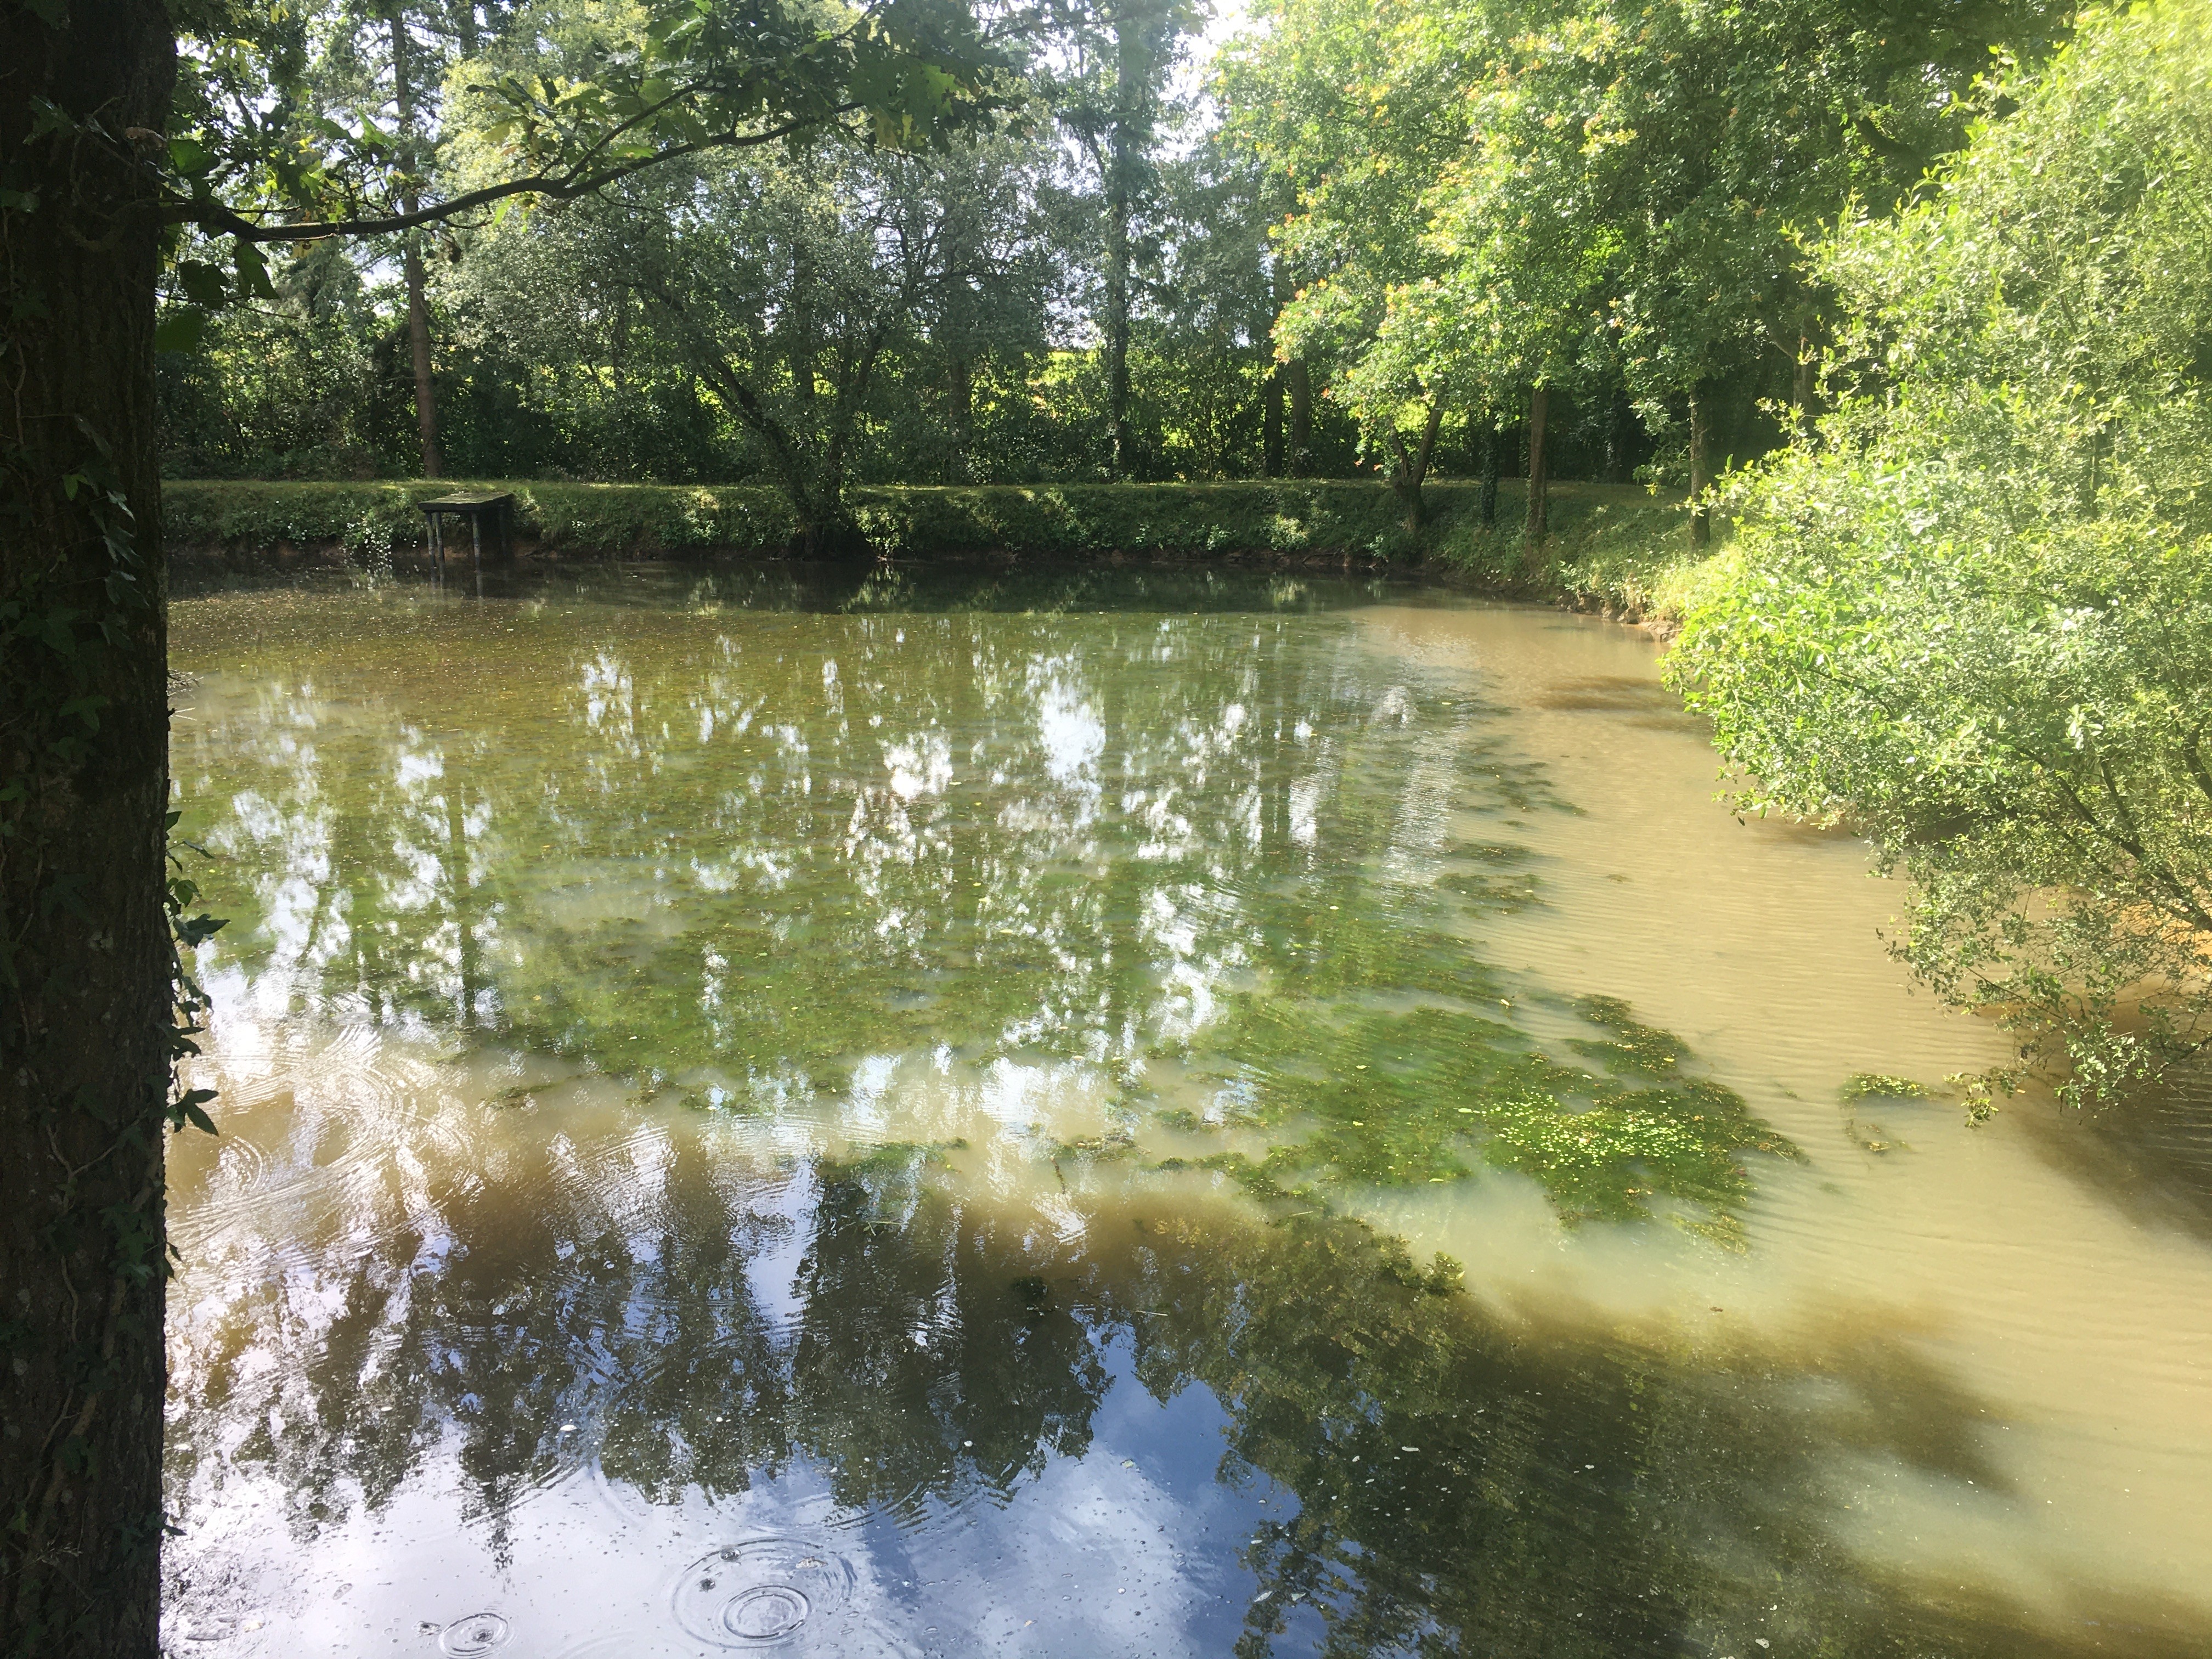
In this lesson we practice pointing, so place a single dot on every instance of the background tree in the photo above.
(1106, 75)
(789, 284)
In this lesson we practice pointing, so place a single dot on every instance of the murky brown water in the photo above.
(908, 1120)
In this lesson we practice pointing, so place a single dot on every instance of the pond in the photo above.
(1123, 1114)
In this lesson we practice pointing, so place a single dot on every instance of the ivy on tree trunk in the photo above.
(87, 1030)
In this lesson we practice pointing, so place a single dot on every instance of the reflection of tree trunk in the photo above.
(1271, 422)
(85, 1011)
(1413, 470)
(961, 411)
(1701, 522)
(418, 310)
(1300, 381)
(1539, 471)
(457, 879)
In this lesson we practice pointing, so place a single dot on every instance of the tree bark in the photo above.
(1539, 523)
(1271, 422)
(85, 949)
(1701, 471)
(1299, 380)
(1123, 456)
(418, 310)
(960, 397)
(1804, 382)
(1619, 432)
(1490, 444)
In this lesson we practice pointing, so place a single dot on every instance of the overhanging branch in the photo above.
(562, 187)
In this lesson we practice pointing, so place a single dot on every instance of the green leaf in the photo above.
(253, 282)
(191, 157)
(203, 283)
(180, 330)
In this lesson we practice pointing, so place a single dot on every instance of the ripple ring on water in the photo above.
(480, 1632)
(761, 1591)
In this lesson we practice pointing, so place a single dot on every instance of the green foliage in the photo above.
(1975, 617)
(1876, 1085)
(1499, 195)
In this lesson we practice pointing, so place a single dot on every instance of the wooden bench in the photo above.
(475, 507)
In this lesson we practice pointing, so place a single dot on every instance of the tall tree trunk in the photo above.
(1299, 379)
(418, 310)
(1132, 90)
(1124, 458)
(1618, 435)
(961, 398)
(1492, 442)
(618, 343)
(85, 952)
(1271, 422)
(1540, 471)
(1701, 468)
(800, 336)
(1804, 384)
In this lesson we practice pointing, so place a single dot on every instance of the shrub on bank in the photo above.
(1975, 617)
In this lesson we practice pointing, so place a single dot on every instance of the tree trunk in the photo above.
(1539, 472)
(960, 397)
(799, 335)
(1701, 471)
(1491, 443)
(1132, 90)
(1271, 422)
(1619, 432)
(418, 311)
(618, 342)
(85, 952)
(1804, 390)
(1299, 379)
(1123, 458)
(1413, 471)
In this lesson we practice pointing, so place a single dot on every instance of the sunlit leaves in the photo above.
(1975, 619)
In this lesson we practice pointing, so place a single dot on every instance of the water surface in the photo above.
(1108, 1114)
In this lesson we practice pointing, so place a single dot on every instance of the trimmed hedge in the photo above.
(371, 521)
(1614, 547)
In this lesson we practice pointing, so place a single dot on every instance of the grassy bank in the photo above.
(1613, 548)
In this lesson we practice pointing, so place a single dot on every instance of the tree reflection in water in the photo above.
(697, 1050)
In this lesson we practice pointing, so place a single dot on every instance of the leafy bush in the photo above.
(1973, 617)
